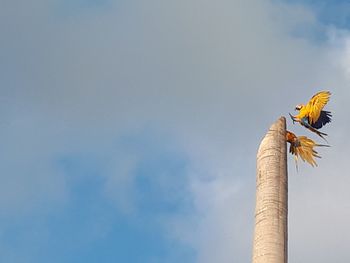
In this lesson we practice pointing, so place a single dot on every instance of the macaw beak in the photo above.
(292, 117)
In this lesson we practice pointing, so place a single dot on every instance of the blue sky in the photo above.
(328, 12)
(129, 129)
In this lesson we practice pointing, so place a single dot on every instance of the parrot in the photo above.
(312, 116)
(304, 147)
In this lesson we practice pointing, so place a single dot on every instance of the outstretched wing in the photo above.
(315, 105)
(306, 150)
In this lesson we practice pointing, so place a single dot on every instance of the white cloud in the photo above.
(27, 169)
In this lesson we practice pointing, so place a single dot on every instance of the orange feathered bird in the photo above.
(303, 147)
(312, 116)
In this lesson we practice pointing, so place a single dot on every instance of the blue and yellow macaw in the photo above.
(311, 115)
(304, 147)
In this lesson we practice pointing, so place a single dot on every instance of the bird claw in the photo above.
(292, 117)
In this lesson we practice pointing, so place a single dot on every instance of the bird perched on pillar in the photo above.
(303, 147)
(312, 116)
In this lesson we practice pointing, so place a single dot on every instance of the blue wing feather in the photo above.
(325, 117)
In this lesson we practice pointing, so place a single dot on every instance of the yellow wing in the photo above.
(314, 107)
(303, 147)
(306, 150)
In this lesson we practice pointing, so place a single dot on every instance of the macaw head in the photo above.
(290, 137)
(299, 107)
